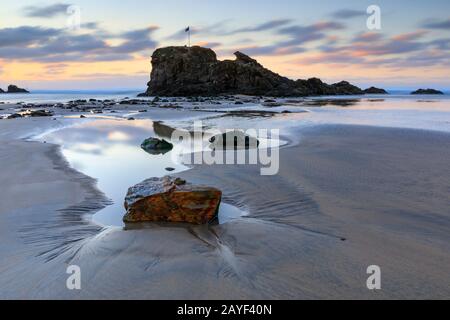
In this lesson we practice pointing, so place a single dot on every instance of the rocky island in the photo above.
(196, 71)
(14, 89)
(374, 90)
(427, 91)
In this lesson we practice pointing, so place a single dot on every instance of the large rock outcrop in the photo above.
(171, 199)
(195, 71)
(15, 89)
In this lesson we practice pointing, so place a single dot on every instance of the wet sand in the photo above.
(346, 197)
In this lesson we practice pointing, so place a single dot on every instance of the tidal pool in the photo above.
(109, 151)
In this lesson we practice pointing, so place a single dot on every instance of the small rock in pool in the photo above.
(156, 146)
(170, 169)
(131, 119)
(235, 139)
(82, 117)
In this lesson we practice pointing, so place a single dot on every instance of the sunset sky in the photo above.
(299, 39)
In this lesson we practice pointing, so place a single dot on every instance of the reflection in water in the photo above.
(109, 150)
(332, 102)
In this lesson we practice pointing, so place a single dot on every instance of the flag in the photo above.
(187, 29)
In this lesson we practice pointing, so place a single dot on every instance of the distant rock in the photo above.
(156, 146)
(427, 91)
(1, 90)
(38, 113)
(171, 199)
(31, 113)
(195, 71)
(14, 116)
(236, 139)
(15, 89)
(373, 90)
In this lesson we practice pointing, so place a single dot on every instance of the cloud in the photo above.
(441, 44)
(209, 44)
(270, 25)
(348, 13)
(221, 29)
(58, 45)
(215, 29)
(137, 40)
(272, 50)
(301, 34)
(46, 11)
(385, 48)
(443, 24)
(22, 36)
(330, 58)
(90, 25)
(410, 36)
(367, 37)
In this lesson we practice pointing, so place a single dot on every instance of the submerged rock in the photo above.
(195, 71)
(156, 146)
(14, 116)
(171, 199)
(236, 139)
(427, 91)
(374, 90)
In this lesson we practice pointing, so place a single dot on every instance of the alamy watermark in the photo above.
(73, 282)
(374, 19)
(73, 17)
(374, 280)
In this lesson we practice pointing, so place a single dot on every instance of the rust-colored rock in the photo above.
(171, 199)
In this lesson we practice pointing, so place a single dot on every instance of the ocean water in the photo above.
(44, 96)
(49, 96)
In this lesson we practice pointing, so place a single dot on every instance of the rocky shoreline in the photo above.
(196, 71)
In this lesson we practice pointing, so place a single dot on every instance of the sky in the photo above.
(111, 50)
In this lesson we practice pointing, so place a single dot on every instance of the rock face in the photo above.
(236, 139)
(15, 89)
(373, 90)
(1, 90)
(195, 71)
(427, 91)
(156, 146)
(171, 200)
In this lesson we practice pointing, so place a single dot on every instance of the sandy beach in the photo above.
(346, 197)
